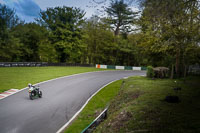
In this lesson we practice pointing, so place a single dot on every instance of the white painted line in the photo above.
(77, 113)
(53, 80)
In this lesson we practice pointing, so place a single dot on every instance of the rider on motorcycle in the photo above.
(32, 88)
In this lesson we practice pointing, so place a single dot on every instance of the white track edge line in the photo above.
(54, 79)
(63, 127)
(77, 113)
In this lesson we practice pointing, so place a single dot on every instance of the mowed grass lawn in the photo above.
(19, 77)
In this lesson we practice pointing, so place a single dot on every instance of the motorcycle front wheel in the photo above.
(31, 96)
(40, 94)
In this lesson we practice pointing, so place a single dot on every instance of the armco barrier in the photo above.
(110, 67)
(103, 66)
(137, 68)
(143, 68)
(98, 65)
(96, 122)
(120, 67)
(128, 68)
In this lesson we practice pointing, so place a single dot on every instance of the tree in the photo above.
(99, 40)
(139, 56)
(9, 46)
(64, 24)
(31, 36)
(174, 25)
(8, 18)
(120, 16)
(46, 51)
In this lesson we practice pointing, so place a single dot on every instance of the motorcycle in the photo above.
(35, 92)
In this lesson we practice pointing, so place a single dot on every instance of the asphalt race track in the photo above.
(62, 98)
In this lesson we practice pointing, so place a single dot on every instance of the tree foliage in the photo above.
(99, 40)
(173, 29)
(169, 35)
(8, 44)
(30, 36)
(64, 24)
(121, 16)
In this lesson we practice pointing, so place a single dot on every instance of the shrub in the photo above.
(150, 72)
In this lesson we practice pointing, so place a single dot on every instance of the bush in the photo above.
(150, 72)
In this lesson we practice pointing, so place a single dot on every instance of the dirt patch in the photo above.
(120, 120)
(135, 95)
(124, 98)
(130, 96)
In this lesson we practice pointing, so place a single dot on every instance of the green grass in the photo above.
(95, 106)
(19, 77)
(140, 107)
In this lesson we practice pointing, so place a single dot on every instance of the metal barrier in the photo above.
(40, 64)
(23, 64)
(96, 122)
(120, 67)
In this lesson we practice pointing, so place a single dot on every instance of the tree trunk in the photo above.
(185, 72)
(117, 31)
(177, 63)
(172, 72)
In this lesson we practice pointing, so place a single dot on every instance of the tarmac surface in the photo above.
(62, 98)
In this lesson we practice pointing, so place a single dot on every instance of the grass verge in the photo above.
(140, 107)
(19, 77)
(95, 106)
